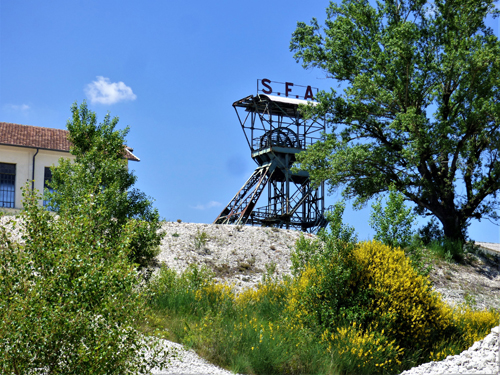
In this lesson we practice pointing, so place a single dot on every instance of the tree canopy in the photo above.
(420, 109)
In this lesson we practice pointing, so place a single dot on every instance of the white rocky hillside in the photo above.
(237, 254)
(242, 254)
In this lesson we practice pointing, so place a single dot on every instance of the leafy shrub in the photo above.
(68, 297)
(339, 238)
(393, 223)
(323, 268)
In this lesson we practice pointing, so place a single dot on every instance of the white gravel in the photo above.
(187, 362)
(237, 254)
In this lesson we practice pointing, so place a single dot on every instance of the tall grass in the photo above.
(447, 249)
(246, 333)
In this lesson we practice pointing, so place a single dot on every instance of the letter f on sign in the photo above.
(288, 88)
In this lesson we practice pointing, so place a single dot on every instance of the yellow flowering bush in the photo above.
(402, 300)
(474, 325)
(355, 350)
(214, 294)
(272, 292)
(471, 325)
(302, 297)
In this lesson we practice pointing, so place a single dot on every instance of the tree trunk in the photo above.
(453, 229)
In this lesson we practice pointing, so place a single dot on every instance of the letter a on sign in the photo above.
(309, 93)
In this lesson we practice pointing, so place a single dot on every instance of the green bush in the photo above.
(340, 237)
(448, 249)
(69, 301)
(393, 223)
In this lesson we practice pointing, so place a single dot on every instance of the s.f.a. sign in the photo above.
(286, 89)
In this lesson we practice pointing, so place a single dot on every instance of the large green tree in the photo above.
(100, 168)
(420, 109)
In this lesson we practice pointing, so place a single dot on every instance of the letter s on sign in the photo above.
(268, 89)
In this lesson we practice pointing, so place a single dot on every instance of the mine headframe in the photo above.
(276, 132)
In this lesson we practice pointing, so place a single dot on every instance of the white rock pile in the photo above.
(238, 255)
(480, 358)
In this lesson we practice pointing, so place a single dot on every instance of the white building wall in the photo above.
(22, 157)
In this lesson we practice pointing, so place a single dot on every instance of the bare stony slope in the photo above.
(240, 255)
(477, 280)
(237, 254)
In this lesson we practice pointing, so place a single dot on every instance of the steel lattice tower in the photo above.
(276, 132)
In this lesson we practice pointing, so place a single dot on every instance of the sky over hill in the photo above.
(171, 71)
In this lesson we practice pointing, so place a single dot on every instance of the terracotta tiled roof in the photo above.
(43, 138)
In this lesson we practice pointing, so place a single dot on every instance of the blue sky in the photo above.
(171, 71)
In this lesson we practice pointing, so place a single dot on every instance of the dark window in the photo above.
(7, 185)
(47, 177)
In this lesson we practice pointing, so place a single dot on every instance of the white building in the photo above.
(26, 154)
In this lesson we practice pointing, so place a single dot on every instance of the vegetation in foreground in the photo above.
(69, 296)
(350, 308)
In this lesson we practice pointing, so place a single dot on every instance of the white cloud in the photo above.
(105, 92)
(210, 204)
(18, 107)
